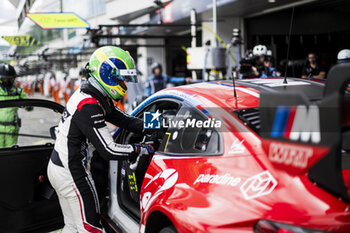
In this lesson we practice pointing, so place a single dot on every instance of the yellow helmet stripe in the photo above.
(100, 55)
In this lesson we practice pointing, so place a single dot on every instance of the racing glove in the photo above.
(154, 139)
(144, 149)
(141, 150)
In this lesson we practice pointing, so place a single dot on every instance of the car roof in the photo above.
(248, 91)
(312, 89)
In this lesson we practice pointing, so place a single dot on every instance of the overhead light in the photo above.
(271, 1)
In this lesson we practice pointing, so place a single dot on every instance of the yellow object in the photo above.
(24, 40)
(221, 41)
(133, 184)
(167, 141)
(58, 20)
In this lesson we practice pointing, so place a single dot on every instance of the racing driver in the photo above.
(82, 128)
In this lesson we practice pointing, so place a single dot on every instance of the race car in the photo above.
(260, 155)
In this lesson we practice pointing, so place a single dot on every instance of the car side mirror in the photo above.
(203, 139)
(53, 131)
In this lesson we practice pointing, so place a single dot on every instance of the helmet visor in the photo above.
(128, 75)
(6, 81)
(7, 76)
(113, 70)
(112, 76)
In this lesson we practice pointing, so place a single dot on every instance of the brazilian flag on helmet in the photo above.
(111, 67)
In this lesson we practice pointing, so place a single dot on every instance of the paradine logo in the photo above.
(151, 120)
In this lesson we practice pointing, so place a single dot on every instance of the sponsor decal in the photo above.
(259, 185)
(128, 72)
(65, 115)
(295, 156)
(97, 115)
(99, 121)
(226, 179)
(256, 186)
(237, 147)
(297, 123)
(123, 172)
(113, 91)
(151, 120)
(168, 177)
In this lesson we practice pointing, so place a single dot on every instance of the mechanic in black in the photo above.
(82, 129)
(312, 69)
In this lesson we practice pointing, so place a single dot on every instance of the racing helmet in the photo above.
(7, 75)
(111, 67)
(156, 65)
(259, 50)
(344, 56)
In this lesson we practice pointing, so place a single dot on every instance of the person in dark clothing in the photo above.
(269, 71)
(82, 129)
(158, 81)
(312, 69)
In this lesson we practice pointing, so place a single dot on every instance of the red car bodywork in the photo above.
(196, 197)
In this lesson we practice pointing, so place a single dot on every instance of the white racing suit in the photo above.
(69, 172)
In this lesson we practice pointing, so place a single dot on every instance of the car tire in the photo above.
(168, 229)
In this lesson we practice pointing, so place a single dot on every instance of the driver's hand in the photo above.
(141, 150)
(144, 149)
(154, 139)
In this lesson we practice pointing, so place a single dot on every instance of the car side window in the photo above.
(164, 106)
(189, 140)
(26, 126)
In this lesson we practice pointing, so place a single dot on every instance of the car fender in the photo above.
(163, 193)
(169, 204)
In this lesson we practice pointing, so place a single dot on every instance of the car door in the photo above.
(124, 207)
(28, 203)
(126, 183)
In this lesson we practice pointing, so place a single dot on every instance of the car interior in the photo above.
(130, 180)
(172, 141)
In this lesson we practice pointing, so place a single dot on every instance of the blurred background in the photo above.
(203, 40)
